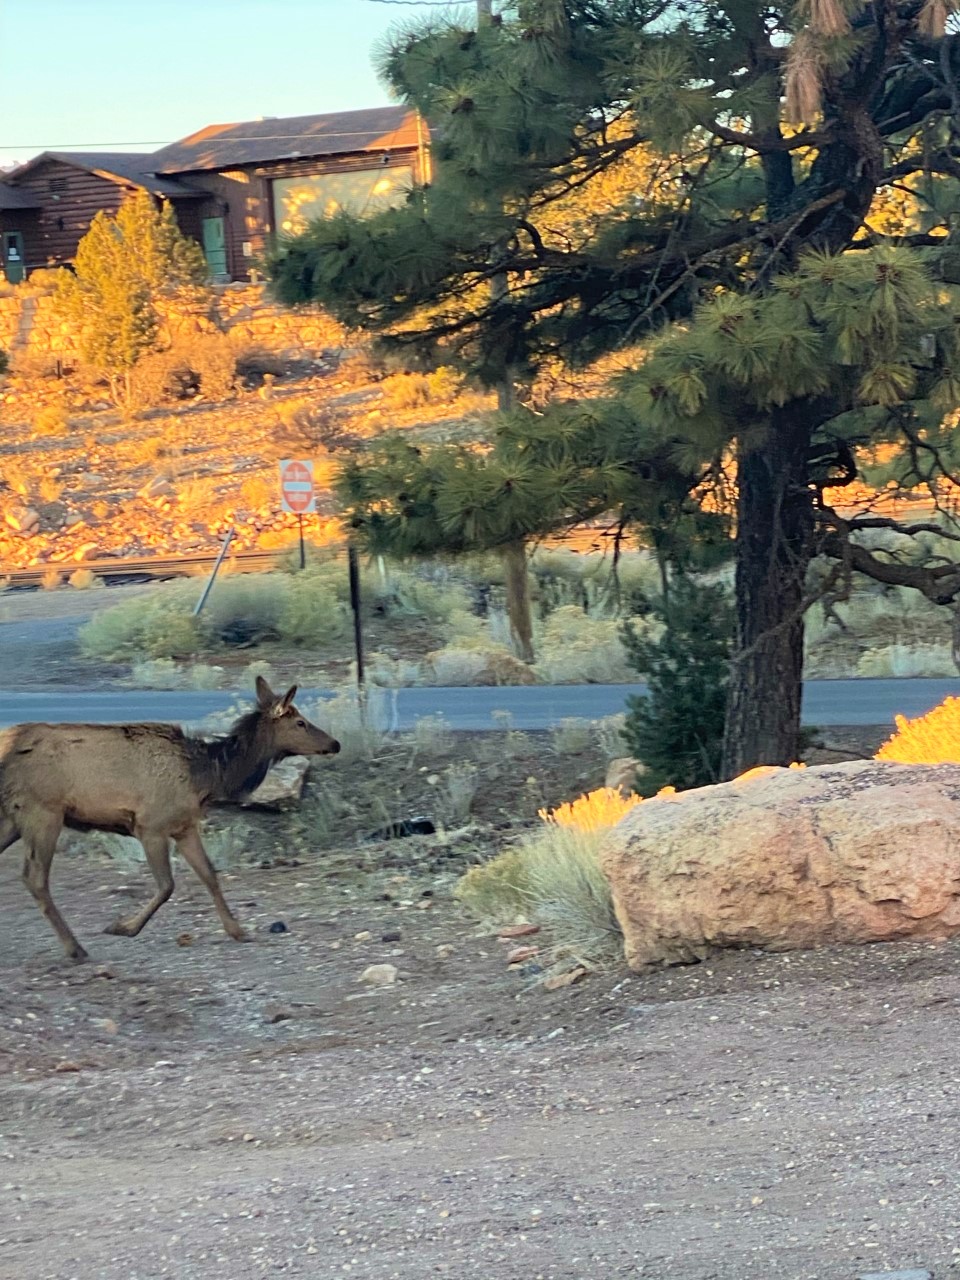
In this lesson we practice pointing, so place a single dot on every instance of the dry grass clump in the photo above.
(574, 648)
(204, 364)
(51, 420)
(417, 390)
(83, 579)
(907, 660)
(930, 739)
(554, 878)
(362, 726)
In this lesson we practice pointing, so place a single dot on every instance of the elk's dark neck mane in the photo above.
(232, 767)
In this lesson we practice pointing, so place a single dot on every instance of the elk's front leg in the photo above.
(157, 849)
(191, 847)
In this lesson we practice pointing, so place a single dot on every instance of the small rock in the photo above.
(518, 931)
(109, 1026)
(559, 980)
(277, 1013)
(22, 519)
(519, 954)
(445, 950)
(282, 788)
(379, 975)
(184, 939)
(158, 487)
(622, 774)
(392, 935)
(363, 936)
(278, 927)
(424, 904)
(67, 1065)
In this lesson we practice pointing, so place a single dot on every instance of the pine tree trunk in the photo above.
(514, 556)
(773, 551)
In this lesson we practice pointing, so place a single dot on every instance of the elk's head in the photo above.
(291, 732)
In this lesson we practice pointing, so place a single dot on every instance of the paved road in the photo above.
(826, 702)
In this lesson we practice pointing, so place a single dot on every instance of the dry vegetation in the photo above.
(197, 452)
(79, 481)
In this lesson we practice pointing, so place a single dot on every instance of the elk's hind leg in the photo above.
(157, 849)
(41, 841)
(192, 850)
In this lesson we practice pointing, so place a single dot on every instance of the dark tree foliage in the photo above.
(787, 332)
(676, 731)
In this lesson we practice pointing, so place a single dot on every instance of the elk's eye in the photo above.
(301, 724)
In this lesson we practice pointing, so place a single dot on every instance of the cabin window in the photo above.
(298, 201)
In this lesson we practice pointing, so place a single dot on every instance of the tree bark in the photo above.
(775, 540)
(514, 556)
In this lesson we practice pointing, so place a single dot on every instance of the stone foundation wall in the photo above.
(30, 322)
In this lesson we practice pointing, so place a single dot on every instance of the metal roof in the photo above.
(229, 146)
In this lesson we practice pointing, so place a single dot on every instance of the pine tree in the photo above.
(538, 475)
(777, 129)
(676, 731)
(124, 263)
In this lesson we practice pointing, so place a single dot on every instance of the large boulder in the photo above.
(282, 788)
(783, 858)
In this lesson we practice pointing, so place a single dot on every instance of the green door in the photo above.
(215, 246)
(13, 263)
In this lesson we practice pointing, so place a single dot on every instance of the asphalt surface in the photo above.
(826, 703)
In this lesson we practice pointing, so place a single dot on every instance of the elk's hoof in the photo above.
(120, 928)
(78, 955)
(238, 933)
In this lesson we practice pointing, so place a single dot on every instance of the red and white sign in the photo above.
(296, 486)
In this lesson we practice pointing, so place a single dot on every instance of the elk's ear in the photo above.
(265, 695)
(287, 700)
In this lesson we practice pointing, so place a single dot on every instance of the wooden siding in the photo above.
(66, 212)
(244, 197)
(241, 199)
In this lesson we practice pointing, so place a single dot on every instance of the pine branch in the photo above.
(940, 584)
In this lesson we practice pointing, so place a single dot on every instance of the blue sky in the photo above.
(104, 74)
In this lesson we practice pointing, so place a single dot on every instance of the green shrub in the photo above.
(155, 626)
(576, 649)
(676, 732)
(212, 359)
(312, 615)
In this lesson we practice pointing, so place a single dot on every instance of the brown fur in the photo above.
(151, 781)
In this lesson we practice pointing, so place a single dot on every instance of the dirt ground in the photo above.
(227, 1111)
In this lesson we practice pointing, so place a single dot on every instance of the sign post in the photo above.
(216, 568)
(353, 565)
(297, 493)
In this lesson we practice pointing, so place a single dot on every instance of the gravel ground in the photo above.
(221, 1111)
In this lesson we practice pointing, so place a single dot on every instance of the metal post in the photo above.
(216, 569)
(353, 564)
(303, 554)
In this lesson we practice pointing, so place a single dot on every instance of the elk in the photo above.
(151, 781)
